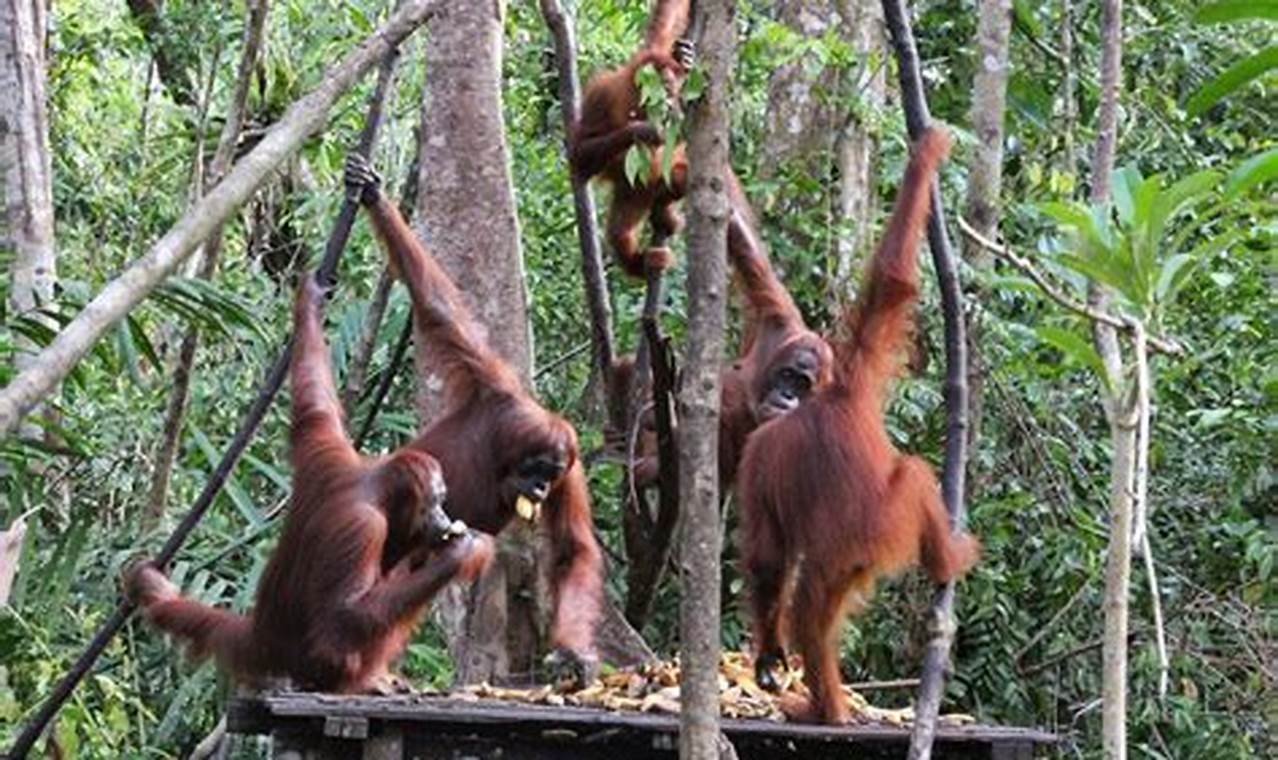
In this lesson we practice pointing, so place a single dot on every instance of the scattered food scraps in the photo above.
(655, 688)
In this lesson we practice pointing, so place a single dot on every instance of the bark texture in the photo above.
(803, 115)
(985, 175)
(1069, 87)
(810, 126)
(698, 433)
(303, 119)
(989, 107)
(856, 149)
(466, 213)
(1122, 427)
(26, 174)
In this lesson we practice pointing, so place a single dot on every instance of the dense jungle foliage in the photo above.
(1027, 651)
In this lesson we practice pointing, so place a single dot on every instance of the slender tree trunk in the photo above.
(303, 119)
(941, 619)
(466, 208)
(985, 178)
(223, 155)
(989, 107)
(1111, 84)
(26, 173)
(592, 266)
(857, 146)
(809, 127)
(1069, 87)
(148, 14)
(617, 641)
(699, 403)
(1123, 428)
(1118, 580)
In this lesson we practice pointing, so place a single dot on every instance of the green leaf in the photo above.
(1231, 79)
(143, 342)
(1127, 182)
(1089, 268)
(694, 84)
(1174, 199)
(1073, 215)
(231, 488)
(668, 152)
(1178, 269)
(1074, 346)
(1254, 171)
(1011, 283)
(1174, 269)
(272, 473)
(1229, 11)
(124, 343)
(636, 164)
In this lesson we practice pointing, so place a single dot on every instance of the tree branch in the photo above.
(382, 43)
(303, 119)
(1163, 345)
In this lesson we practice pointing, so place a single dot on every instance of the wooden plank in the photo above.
(257, 715)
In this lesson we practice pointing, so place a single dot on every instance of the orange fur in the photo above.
(353, 572)
(611, 122)
(490, 425)
(828, 504)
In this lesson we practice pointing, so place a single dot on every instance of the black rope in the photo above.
(914, 103)
(326, 274)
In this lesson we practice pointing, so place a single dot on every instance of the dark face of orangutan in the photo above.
(789, 380)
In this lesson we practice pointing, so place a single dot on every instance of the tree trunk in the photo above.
(223, 155)
(466, 208)
(941, 623)
(857, 145)
(985, 178)
(26, 174)
(303, 119)
(708, 164)
(1069, 88)
(1118, 580)
(148, 14)
(989, 106)
(802, 117)
(810, 127)
(1123, 429)
(592, 266)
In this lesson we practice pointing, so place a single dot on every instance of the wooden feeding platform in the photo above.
(306, 726)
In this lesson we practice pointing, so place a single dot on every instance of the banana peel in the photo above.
(654, 688)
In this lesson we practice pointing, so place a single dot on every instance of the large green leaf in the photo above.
(1177, 270)
(1231, 79)
(1126, 184)
(1176, 198)
(1229, 11)
(1075, 347)
(1252, 172)
(1090, 228)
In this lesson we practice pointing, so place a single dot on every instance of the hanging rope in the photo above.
(326, 274)
(941, 625)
